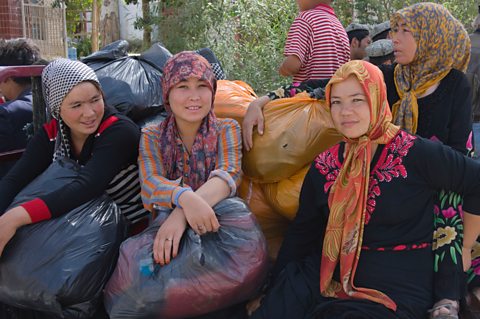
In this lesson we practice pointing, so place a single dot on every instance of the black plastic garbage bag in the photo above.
(211, 272)
(214, 62)
(157, 55)
(132, 84)
(112, 51)
(60, 266)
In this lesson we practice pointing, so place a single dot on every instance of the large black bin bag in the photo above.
(132, 84)
(60, 266)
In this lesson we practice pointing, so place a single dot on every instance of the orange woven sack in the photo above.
(296, 130)
(232, 99)
(283, 196)
(272, 224)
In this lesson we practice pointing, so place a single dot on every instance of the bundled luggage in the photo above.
(60, 266)
(232, 99)
(210, 272)
(296, 130)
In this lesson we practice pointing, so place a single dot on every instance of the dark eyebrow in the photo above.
(80, 102)
(351, 95)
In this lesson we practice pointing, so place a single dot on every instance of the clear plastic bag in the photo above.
(210, 272)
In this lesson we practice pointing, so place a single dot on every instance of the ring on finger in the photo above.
(168, 239)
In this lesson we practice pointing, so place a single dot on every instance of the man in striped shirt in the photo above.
(317, 44)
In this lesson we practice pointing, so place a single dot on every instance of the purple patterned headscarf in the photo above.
(183, 65)
(203, 156)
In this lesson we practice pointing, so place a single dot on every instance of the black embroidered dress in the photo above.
(396, 256)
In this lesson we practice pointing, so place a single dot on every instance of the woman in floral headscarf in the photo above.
(192, 160)
(360, 245)
(431, 97)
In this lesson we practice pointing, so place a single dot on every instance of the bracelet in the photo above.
(177, 195)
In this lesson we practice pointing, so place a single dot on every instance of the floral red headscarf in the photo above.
(348, 195)
(180, 67)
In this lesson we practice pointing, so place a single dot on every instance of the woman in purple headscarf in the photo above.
(192, 160)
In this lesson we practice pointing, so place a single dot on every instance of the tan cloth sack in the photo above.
(296, 130)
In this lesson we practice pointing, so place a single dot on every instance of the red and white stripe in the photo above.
(319, 40)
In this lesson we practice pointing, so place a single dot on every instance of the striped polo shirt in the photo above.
(319, 40)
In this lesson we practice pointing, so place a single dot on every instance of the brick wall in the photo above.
(10, 19)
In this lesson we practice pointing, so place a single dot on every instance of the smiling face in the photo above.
(404, 44)
(349, 108)
(190, 101)
(82, 110)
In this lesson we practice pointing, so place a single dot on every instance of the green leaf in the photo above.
(450, 198)
(471, 275)
(442, 202)
(457, 246)
(453, 254)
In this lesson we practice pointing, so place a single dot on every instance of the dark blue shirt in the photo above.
(14, 115)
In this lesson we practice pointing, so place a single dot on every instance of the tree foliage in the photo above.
(73, 10)
(248, 36)
(376, 11)
(146, 21)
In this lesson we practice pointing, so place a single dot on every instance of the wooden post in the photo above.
(39, 107)
(147, 29)
(95, 16)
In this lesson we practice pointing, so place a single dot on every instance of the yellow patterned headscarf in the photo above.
(442, 44)
(348, 196)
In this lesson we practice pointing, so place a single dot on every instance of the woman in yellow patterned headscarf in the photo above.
(442, 44)
(432, 49)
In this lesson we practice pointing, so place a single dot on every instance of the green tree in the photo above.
(145, 22)
(246, 35)
(73, 13)
(376, 11)
(75, 10)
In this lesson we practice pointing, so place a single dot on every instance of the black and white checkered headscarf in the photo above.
(59, 77)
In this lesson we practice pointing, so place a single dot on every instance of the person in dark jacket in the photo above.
(16, 112)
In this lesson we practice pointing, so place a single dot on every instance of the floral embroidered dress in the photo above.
(434, 61)
(396, 256)
(446, 117)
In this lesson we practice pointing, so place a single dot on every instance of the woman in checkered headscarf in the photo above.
(102, 142)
